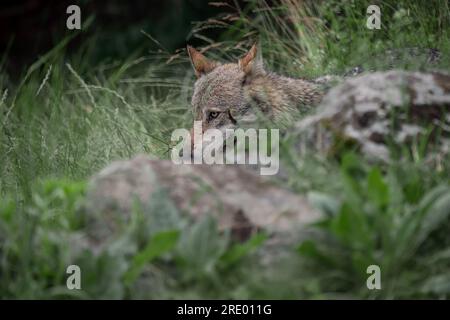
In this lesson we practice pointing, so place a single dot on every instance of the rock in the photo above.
(379, 109)
(240, 199)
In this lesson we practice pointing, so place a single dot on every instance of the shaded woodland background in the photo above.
(29, 28)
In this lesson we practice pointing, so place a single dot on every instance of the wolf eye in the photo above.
(212, 115)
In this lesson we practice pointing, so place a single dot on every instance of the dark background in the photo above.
(29, 28)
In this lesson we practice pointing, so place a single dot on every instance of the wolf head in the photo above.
(239, 95)
(221, 98)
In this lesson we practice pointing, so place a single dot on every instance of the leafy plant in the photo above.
(379, 220)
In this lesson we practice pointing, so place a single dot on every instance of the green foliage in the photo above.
(380, 219)
(159, 244)
(40, 239)
(34, 239)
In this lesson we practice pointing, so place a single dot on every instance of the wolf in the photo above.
(236, 95)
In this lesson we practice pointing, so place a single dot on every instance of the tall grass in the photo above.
(67, 118)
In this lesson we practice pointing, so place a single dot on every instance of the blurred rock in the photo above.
(379, 109)
(240, 199)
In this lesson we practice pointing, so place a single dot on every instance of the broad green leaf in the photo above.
(438, 213)
(238, 251)
(158, 244)
(378, 190)
(202, 245)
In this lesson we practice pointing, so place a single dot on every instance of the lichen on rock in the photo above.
(376, 110)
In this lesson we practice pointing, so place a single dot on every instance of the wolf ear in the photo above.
(199, 62)
(251, 63)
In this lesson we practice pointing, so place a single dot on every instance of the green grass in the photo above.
(67, 118)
